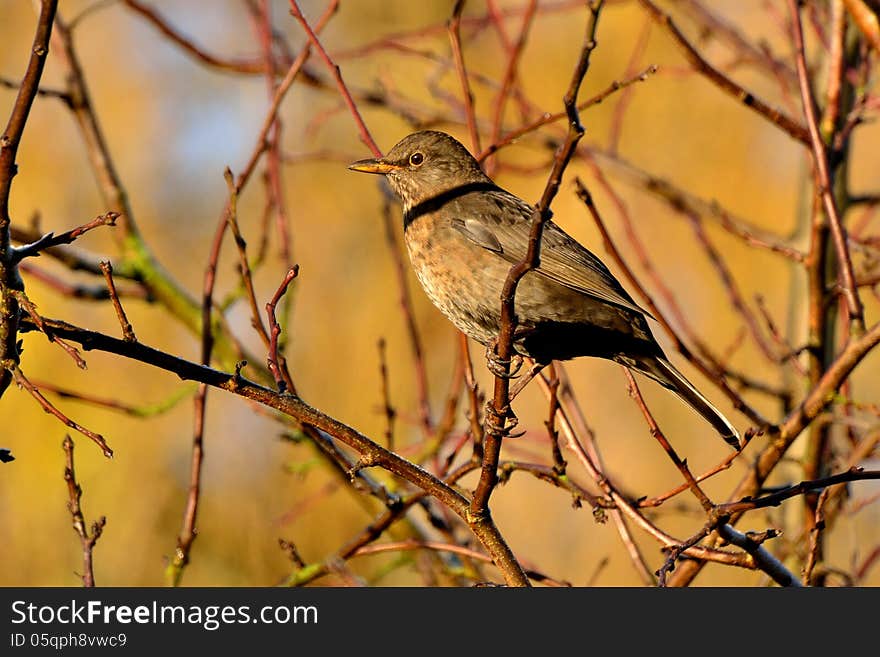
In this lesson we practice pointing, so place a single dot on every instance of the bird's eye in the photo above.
(416, 159)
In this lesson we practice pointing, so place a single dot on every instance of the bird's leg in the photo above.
(533, 371)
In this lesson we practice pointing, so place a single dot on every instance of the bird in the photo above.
(463, 233)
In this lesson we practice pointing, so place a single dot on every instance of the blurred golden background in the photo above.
(173, 125)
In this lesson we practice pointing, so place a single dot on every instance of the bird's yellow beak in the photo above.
(373, 166)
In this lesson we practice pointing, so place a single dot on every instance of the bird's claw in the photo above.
(506, 368)
(500, 423)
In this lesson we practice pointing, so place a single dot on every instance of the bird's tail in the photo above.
(663, 372)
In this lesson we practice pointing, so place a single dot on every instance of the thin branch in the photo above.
(815, 533)
(777, 497)
(559, 463)
(47, 406)
(763, 558)
(74, 505)
(684, 203)
(716, 77)
(548, 118)
(371, 453)
(412, 330)
(625, 507)
(795, 422)
(510, 71)
(10, 279)
(365, 135)
(826, 186)
(50, 240)
(682, 466)
(734, 295)
(496, 418)
(253, 66)
(127, 330)
(277, 363)
(63, 96)
(387, 408)
(28, 306)
(188, 530)
(454, 30)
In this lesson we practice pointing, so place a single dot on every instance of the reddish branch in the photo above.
(244, 267)
(824, 174)
(23, 381)
(10, 280)
(547, 118)
(50, 240)
(74, 505)
(365, 135)
(684, 203)
(734, 295)
(173, 35)
(712, 374)
(703, 67)
(387, 408)
(510, 71)
(568, 412)
(274, 183)
(470, 116)
(682, 466)
(277, 363)
(795, 422)
(66, 288)
(372, 454)
(412, 330)
(127, 330)
(497, 425)
(31, 310)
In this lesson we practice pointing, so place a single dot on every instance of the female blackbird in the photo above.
(463, 233)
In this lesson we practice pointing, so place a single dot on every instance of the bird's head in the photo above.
(424, 165)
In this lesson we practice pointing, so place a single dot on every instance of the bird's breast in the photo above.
(462, 279)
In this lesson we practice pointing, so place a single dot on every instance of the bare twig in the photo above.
(795, 422)
(10, 280)
(738, 402)
(682, 466)
(158, 21)
(775, 116)
(763, 558)
(510, 71)
(277, 363)
(23, 381)
(365, 135)
(815, 545)
(74, 505)
(50, 240)
(387, 408)
(28, 306)
(826, 185)
(412, 329)
(548, 118)
(127, 330)
(496, 421)
(454, 30)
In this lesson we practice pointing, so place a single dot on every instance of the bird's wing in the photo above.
(503, 227)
